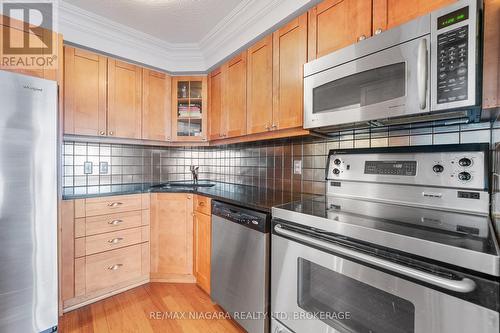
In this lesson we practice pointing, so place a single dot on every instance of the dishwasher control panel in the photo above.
(255, 220)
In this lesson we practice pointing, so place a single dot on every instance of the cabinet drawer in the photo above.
(202, 204)
(110, 241)
(107, 223)
(107, 269)
(115, 204)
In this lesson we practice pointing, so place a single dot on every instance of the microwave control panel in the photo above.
(452, 65)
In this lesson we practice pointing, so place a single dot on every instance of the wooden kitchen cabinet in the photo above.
(104, 247)
(216, 121)
(260, 86)
(124, 100)
(189, 108)
(491, 54)
(172, 237)
(334, 24)
(388, 14)
(234, 105)
(202, 241)
(156, 109)
(85, 100)
(289, 57)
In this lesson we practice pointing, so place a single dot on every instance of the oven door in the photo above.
(317, 291)
(389, 83)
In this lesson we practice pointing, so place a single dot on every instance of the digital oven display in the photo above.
(454, 17)
(393, 168)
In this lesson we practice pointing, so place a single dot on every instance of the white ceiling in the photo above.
(173, 21)
(179, 36)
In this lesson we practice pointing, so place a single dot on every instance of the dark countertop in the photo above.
(243, 195)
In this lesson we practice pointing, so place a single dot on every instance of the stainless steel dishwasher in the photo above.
(240, 265)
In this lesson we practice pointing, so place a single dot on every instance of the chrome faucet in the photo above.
(194, 173)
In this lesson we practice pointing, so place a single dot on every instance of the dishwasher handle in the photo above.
(464, 285)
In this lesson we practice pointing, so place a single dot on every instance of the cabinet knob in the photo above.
(110, 133)
(114, 267)
(362, 37)
(115, 222)
(378, 31)
(115, 240)
(274, 126)
(168, 138)
(102, 133)
(267, 127)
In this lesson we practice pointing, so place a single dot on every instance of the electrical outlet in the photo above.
(87, 168)
(103, 168)
(297, 167)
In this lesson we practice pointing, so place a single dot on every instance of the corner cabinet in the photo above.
(156, 106)
(189, 108)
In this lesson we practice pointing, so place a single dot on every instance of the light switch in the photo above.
(297, 167)
(87, 168)
(103, 168)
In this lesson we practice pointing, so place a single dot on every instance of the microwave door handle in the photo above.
(464, 285)
(422, 72)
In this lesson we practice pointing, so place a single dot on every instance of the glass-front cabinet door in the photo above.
(189, 108)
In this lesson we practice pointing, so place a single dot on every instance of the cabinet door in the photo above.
(234, 105)
(84, 92)
(491, 51)
(156, 111)
(334, 24)
(202, 252)
(260, 86)
(189, 108)
(390, 13)
(124, 99)
(290, 55)
(215, 108)
(171, 237)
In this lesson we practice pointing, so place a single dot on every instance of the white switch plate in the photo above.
(297, 167)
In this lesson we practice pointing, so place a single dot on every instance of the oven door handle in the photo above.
(422, 71)
(464, 285)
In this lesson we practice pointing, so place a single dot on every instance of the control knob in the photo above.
(336, 171)
(465, 162)
(337, 161)
(464, 176)
(438, 168)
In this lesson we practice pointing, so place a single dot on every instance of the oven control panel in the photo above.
(456, 169)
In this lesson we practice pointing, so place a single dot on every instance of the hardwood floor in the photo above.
(153, 307)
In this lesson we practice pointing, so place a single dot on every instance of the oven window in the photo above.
(348, 305)
(361, 89)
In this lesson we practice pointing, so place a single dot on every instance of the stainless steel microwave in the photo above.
(427, 69)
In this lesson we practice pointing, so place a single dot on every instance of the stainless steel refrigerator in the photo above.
(28, 204)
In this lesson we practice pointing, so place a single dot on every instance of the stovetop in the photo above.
(463, 240)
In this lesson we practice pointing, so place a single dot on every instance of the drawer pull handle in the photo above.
(115, 204)
(115, 240)
(115, 267)
(201, 203)
(115, 222)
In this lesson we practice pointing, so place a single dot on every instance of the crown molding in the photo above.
(247, 22)
(82, 27)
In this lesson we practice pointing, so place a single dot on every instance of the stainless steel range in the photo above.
(402, 242)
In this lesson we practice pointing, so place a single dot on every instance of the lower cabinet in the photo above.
(202, 243)
(104, 246)
(172, 237)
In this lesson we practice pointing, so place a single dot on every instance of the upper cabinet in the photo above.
(260, 86)
(189, 108)
(85, 99)
(216, 122)
(156, 107)
(334, 24)
(234, 96)
(124, 100)
(491, 54)
(388, 14)
(290, 55)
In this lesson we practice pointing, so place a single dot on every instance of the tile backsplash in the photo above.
(265, 164)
